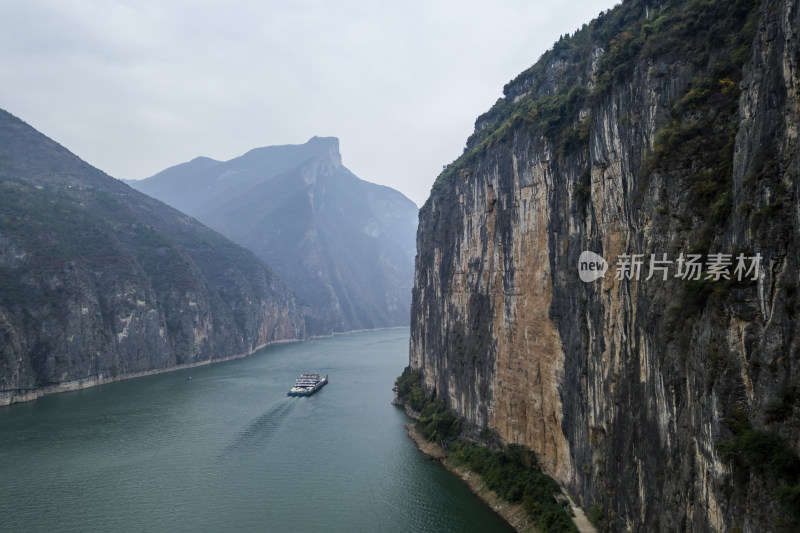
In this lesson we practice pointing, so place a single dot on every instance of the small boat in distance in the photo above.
(307, 384)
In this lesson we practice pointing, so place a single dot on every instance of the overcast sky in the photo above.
(136, 86)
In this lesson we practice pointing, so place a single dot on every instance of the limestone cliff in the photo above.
(99, 282)
(659, 132)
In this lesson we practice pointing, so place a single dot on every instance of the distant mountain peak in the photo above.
(326, 146)
(325, 141)
(323, 149)
(346, 247)
(203, 159)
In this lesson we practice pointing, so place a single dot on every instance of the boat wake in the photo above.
(264, 427)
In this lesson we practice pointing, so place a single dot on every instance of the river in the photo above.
(227, 450)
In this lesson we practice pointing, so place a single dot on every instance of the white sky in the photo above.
(136, 86)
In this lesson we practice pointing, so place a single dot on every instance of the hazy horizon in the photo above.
(135, 88)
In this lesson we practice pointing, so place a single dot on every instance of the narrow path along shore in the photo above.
(514, 514)
(580, 520)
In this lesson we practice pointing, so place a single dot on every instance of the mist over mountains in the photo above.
(100, 282)
(344, 246)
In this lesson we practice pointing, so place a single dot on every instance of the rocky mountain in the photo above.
(344, 246)
(663, 392)
(99, 282)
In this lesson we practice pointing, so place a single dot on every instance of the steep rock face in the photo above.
(99, 282)
(343, 245)
(660, 128)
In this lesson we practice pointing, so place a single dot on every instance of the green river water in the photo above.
(229, 451)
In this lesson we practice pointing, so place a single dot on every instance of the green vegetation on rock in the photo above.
(659, 128)
(435, 422)
(770, 456)
(512, 472)
(553, 99)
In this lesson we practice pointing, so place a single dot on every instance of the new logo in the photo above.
(591, 266)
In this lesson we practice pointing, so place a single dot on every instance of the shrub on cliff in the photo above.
(513, 474)
(436, 422)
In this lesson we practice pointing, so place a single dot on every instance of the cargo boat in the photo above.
(307, 384)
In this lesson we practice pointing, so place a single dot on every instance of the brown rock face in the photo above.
(640, 134)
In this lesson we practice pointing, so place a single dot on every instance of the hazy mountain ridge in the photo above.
(213, 182)
(100, 282)
(344, 246)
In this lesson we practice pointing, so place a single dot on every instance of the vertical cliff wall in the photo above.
(665, 130)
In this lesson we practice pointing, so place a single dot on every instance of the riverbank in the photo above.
(12, 396)
(8, 397)
(513, 514)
